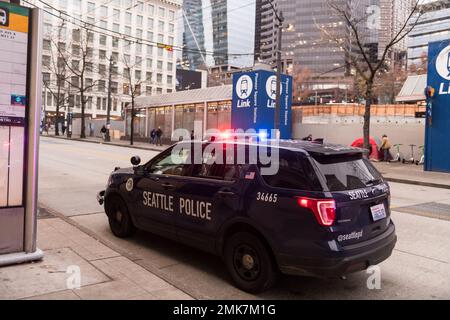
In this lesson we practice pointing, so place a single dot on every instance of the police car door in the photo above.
(208, 198)
(156, 208)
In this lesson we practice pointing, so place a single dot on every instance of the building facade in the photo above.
(137, 36)
(433, 25)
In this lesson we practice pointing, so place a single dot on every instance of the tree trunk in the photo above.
(366, 126)
(58, 101)
(83, 125)
(132, 120)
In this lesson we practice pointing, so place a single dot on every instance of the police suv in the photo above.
(324, 212)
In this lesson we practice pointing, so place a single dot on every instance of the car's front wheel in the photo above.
(119, 217)
(249, 262)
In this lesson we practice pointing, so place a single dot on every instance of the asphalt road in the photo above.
(72, 172)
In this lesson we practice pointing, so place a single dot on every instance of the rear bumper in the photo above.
(101, 197)
(341, 263)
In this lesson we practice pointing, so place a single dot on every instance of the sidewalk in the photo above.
(412, 174)
(120, 143)
(104, 273)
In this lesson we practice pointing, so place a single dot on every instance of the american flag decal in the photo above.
(250, 176)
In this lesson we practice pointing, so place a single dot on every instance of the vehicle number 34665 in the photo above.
(267, 197)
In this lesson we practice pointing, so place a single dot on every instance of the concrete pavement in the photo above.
(103, 272)
(72, 172)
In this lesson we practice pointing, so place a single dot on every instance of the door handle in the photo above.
(154, 178)
(168, 186)
(226, 193)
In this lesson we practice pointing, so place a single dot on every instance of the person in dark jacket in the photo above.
(159, 134)
(153, 136)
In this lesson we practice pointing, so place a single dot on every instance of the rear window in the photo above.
(294, 172)
(347, 172)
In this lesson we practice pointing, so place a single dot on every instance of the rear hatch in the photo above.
(361, 196)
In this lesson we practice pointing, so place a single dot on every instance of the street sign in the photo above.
(253, 107)
(20, 96)
(437, 144)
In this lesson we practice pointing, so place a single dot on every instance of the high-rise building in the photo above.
(433, 25)
(138, 36)
(218, 32)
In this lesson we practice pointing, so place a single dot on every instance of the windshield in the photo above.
(347, 173)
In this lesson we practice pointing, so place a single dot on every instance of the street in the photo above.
(71, 173)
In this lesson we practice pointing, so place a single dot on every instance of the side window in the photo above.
(212, 168)
(170, 163)
(295, 172)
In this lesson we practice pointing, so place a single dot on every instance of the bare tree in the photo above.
(131, 87)
(361, 59)
(57, 67)
(301, 78)
(80, 66)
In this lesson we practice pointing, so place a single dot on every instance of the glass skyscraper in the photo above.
(218, 32)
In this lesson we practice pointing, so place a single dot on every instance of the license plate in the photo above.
(378, 212)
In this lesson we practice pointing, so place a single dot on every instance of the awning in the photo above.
(413, 89)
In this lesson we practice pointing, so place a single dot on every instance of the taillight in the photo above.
(324, 209)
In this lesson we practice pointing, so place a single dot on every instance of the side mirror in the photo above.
(135, 161)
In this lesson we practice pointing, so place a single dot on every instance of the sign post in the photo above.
(437, 144)
(254, 101)
(20, 113)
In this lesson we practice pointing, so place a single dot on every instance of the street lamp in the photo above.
(108, 112)
(280, 18)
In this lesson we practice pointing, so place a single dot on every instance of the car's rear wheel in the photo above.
(249, 262)
(119, 218)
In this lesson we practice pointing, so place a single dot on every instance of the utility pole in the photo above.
(280, 18)
(108, 112)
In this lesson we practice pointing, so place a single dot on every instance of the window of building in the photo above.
(102, 40)
(139, 21)
(159, 65)
(160, 38)
(75, 34)
(159, 90)
(101, 87)
(148, 76)
(128, 17)
(116, 15)
(148, 90)
(149, 35)
(46, 77)
(171, 28)
(171, 15)
(161, 12)
(169, 79)
(149, 63)
(151, 9)
(137, 75)
(150, 23)
(102, 69)
(128, 30)
(88, 84)
(169, 66)
(115, 42)
(160, 52)
(161, 26)
(159, 77)
(47, 45)
(46, 61)
(114, 86)
(116, 27)
(139, 33)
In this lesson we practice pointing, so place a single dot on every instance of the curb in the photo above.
(418, 183)
(106, 143)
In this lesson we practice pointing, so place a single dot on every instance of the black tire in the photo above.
(250, 263)
(119, 218)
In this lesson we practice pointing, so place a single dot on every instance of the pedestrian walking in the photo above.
(385, 147)
(192, 135)
(103, 132)
(153, 136)
(159, 134)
